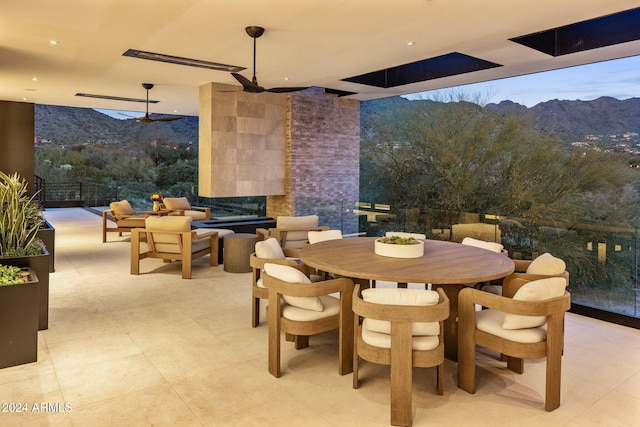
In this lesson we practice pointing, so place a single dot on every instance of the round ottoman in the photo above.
(238, 248)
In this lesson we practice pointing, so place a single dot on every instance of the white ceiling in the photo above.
(312, 42)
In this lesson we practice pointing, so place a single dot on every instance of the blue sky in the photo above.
(619, 78)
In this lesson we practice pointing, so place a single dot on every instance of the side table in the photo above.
(238, 248)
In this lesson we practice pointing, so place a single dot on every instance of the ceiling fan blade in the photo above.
(166, 119)
(247, 84)
(285, 89)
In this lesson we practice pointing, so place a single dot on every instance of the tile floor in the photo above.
(154, 349)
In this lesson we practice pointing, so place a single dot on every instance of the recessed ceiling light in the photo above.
(410, 43)
(35, 79)
(53, 42)
(182, 61)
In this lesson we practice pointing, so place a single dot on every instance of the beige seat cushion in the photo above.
(547, 264)
(537, 290)
(222, 232)
(400, 296)
(331, 307)
(269, 249)
(491, 321)
(308, 221)
(293, 275)
(167, 242)
(177, 203)
(321, 236)
(196, 215)
(121, 208)
(381, 340)
(490, 246)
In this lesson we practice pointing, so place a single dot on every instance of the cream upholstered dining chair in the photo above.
(268, 251)
(544, 266)
(171, 238)
(401, 328)
(124, 217)
(528, 326)
(494, 287)
(292, 231)
(181, 206)
(323, 236)
(301, 308)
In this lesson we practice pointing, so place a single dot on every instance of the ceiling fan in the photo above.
(252, 85)
(146, 118)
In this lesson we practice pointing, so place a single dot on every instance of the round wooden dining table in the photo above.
(449, 265)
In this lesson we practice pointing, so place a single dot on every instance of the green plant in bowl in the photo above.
(397, 240)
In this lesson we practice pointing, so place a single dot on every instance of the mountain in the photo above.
(574, 120)
(80, 126)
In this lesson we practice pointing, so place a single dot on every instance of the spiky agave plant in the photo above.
(20, 217)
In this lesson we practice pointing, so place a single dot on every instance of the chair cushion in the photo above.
(383, 340)
(176, 203)
(491, 321)
(196, 215)
(222, 232)
(405, 235)
(269, 249)
(308, 221)
(297, 221)
(121, 208)
(491, 246)
(321, 236)
(292, 275)
(399, 296)
(537, 290)
(546, 264)
(168, 223)
(331, 308)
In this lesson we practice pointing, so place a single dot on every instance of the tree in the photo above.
(459, 157)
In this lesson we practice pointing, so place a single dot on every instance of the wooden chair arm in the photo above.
(263, 233)
(256, 262)
(469, 297)
(204, 209)
(342, 285)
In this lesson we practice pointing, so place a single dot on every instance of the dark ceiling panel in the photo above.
(595, 33)
(438, 67)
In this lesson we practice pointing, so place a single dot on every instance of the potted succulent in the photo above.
(399, 247)
(18, 316)
(20, 221)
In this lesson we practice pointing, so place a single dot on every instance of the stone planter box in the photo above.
(19, 323)
(399, 251)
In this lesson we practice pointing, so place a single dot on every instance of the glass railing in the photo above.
(602, 260)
